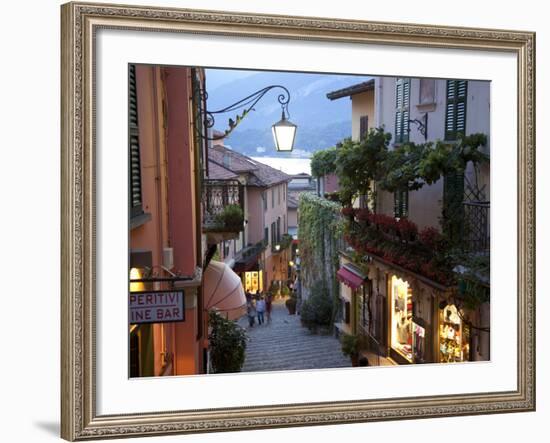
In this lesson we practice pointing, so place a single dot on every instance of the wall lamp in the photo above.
(284, 131)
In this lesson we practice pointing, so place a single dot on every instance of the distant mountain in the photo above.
(321, 122)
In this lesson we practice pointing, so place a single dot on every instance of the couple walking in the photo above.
(258, 308)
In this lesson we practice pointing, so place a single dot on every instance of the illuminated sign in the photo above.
(156, 307)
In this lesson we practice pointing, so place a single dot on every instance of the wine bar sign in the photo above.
(156, 307)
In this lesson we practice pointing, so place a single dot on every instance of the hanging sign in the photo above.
(156, 307)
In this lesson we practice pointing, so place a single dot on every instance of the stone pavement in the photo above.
(284, 344)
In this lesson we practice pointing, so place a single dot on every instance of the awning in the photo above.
(223, 290)
(349, 278)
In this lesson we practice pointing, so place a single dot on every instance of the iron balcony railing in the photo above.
(477, 222)
(219, 198)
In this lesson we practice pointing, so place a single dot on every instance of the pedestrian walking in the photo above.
(268, 306)
(260, 309)
(251, 313)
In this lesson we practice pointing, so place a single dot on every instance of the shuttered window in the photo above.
(401, 204)
(402, 100)
(455, 115)
(134, 173)
(363, 126)
(273, 234)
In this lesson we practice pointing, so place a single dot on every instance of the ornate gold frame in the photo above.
(79, 22)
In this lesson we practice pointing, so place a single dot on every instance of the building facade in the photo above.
(260, 254)
(165, 245)
(412, 317)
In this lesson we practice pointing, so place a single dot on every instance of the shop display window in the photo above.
(402, 313)
(419, 343)
(454, 336)
(253, 281)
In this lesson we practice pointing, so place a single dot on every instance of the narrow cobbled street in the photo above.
(284, 344)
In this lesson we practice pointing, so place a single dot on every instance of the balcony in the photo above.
(282, 244)
(247, 258)
(222, 210)
(476, 237)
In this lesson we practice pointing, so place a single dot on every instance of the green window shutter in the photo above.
(455, 116)
(401, 204)
(402, 102)
(134, 162)
(363, 126)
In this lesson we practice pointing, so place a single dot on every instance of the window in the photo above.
(402, 94)
(134, 162)
(278, 229)
(363, 126)
(264, 200)
(455, 115)
(266, 235)
(273, 234)
(427, 91)
(401, 204)
(272, 197)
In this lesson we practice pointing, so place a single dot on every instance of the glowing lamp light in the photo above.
(277, 247)
(284, 132)
(290, 263)
(135, 274)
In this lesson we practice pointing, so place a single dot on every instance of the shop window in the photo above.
(402, 318)
(454, 336)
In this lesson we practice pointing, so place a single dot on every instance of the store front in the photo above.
(454, 336)
(409, 332)
(253, 281)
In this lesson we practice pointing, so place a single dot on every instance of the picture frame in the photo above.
(80, 23)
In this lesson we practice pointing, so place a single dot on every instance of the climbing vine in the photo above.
(320, 230)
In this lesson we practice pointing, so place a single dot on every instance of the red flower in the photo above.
(430, 237)
(362, 214)
(348, 210)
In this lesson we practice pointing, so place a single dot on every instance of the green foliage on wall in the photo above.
(408, 166)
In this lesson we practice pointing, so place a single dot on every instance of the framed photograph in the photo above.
(277, 221)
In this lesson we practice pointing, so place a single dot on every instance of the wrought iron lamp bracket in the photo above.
(422, 125)
(247, 103)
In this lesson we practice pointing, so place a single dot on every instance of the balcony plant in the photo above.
(231, 218)
(350, 348)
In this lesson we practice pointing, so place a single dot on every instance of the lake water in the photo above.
(288, 165)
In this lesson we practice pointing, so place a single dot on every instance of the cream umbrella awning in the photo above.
(223, 290)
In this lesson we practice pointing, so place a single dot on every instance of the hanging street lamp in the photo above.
(284, 131)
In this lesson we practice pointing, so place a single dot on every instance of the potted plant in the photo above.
(227, 343)
(285, 291)
(350, 347)
(290, 304)
(231, 218)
